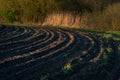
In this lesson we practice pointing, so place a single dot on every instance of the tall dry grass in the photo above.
(65, 19)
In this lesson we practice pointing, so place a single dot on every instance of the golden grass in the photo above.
(63, 19)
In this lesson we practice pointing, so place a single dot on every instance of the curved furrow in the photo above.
(13, 33)
(40, 48)
(51, 45)
(22, 40)
(57, 60)
(86, 43)
(7, 34)
(10, 31)
(101, 51)
(33, 40)
(95, 55)
(76, 48)
(56, 50)
(94, 52)
(43, 42)
(21, 32)
(27, 34)
(3, 29)
(95, 49)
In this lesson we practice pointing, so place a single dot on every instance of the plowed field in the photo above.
(29, 53)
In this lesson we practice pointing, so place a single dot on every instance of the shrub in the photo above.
(108, 19)
(111, 16)
(9, 15)
(44, 77)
